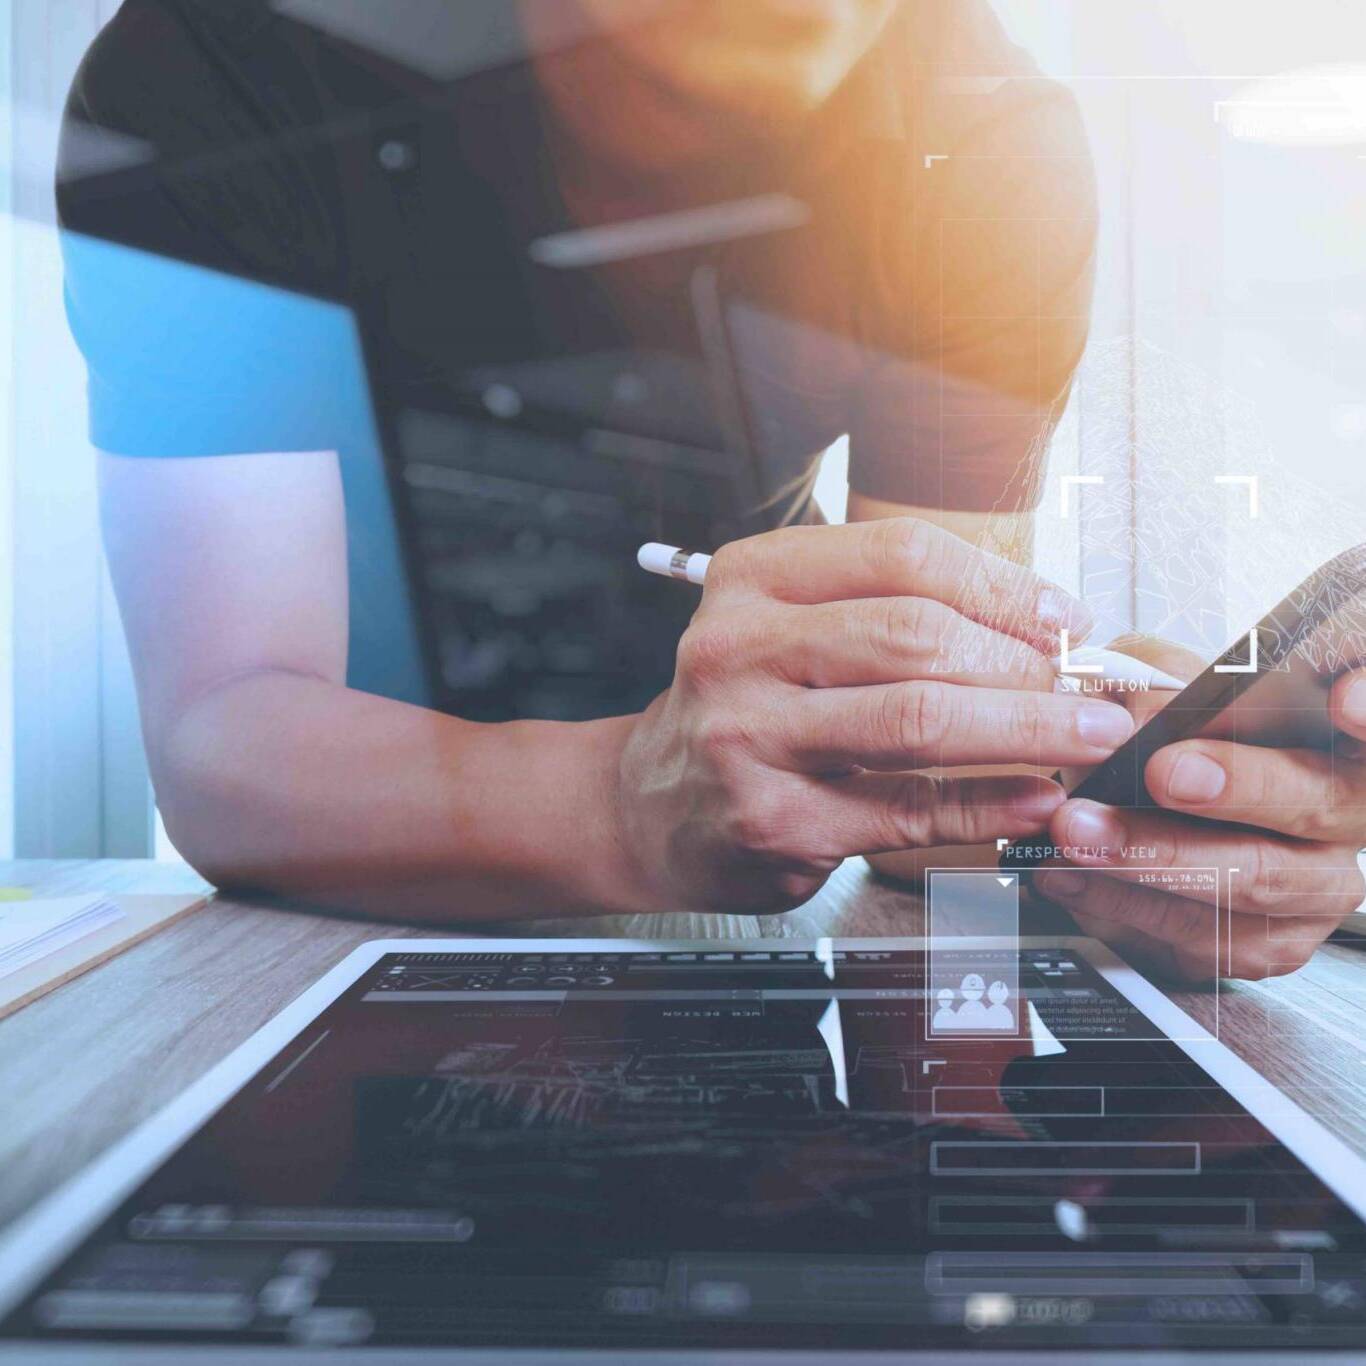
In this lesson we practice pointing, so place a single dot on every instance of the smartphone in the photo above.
(1270, 687)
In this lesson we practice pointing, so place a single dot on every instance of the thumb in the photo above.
(1161, 654)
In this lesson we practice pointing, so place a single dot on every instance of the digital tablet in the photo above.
(525, 1150)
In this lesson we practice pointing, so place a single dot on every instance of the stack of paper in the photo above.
(30, 930)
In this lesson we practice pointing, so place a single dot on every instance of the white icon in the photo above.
(1251, 666)
(972, 1013)
(1251, 480)
(998, 1013)
(1069, 481)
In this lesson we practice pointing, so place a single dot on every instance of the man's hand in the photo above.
(822, 664)
(1295, 821)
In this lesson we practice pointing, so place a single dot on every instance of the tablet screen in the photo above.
(722, 1147)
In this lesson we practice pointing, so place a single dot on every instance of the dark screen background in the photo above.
(720, 1148)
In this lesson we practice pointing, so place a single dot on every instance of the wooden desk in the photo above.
(82, 1066)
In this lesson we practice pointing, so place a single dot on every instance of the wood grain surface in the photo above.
(84, 1064)
(143, 915)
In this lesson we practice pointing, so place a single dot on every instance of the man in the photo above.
(907, 259)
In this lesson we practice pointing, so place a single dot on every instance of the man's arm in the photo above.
(270, 772)
(804, 700)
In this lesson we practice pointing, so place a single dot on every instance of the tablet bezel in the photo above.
(39, 1239)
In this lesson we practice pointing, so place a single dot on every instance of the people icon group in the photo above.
(971, 1012)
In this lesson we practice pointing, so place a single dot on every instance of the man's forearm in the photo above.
(299, 787)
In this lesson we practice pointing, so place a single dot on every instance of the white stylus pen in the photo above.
(1094, 661)
(1086, 661)
(672, 562)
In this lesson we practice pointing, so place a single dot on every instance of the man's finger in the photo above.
(899, 557)
(1162, 654)
(891, 640)
(1270, 875)
(938, 725)
(872, 813)
(1306, 793)
(1347, 704)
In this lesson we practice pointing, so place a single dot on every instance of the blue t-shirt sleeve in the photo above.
(183, 360)
(186, 361)
(189, 351)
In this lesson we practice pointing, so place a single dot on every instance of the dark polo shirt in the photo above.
(297, 227)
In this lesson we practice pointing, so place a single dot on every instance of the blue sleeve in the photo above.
(186, 361)
(201, 359)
